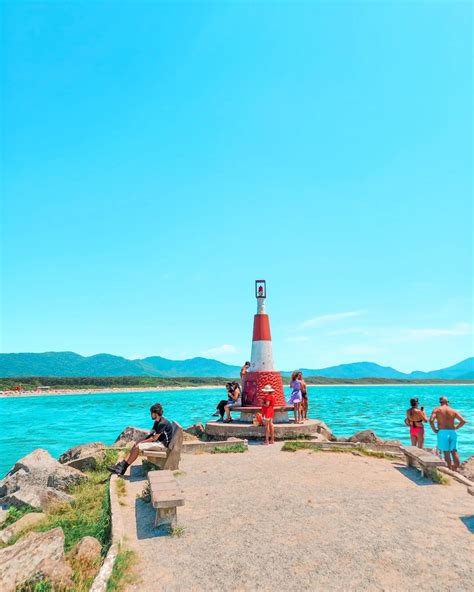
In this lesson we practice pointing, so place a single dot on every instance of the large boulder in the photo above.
(324, 430)
(37, 497)
(467, 468)
(31, 557)
(38, 480)
(77, 453)
(197, 430)
(58, 573)
(88, 549)
(26, 521)
(130, 435)
(366, 437)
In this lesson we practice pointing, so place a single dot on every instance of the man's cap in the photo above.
(268, 389)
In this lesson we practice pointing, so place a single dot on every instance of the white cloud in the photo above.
(330, 318)
(224, 349)
(418, 334)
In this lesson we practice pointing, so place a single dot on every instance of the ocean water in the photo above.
(59, 422)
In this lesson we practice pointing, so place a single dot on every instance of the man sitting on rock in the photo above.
(159, 437)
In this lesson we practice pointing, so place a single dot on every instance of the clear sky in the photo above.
(158, 157)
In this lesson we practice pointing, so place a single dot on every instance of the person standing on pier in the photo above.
(446, 429)
(268, 412)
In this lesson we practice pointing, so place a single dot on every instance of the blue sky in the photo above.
(160, 157)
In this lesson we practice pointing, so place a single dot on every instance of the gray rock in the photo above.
(38, 480)
(467, 468)
(85, 463)
(365, 436)
(3, 515)
(23, 560)
(26, 521)
(92, 449)
(197, 430)
(391, 442)
(130, 435)
(470, 490)
(87, 549)
(59, 573)
(326, 431)
(37, 497)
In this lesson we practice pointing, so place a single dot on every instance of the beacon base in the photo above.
(283, 431)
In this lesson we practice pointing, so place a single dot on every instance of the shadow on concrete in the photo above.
(145, 520)
(468, 522)
(136, 473)
(414, 475)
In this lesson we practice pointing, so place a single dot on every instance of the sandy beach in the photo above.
(63, 392)
(273, 520)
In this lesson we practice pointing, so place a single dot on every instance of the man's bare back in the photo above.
(445, 416)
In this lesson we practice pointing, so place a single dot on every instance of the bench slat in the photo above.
(155, 453)
(253, 409)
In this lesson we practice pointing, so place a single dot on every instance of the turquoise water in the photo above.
(59, 422)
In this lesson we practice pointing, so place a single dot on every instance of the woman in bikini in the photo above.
(296, 396)
(304, 400)
(414, 419)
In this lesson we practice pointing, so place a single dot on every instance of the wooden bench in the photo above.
(259, 409)
(165, 497)
(168, 458)
(425, 461)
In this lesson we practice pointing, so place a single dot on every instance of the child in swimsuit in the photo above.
(414, 419)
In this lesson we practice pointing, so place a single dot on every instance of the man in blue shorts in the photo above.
(444, 415)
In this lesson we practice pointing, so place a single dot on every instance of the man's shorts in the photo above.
(151, 446)
(447, 440)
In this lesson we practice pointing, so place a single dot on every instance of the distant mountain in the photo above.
(456, 371)
(71, 364)
(356, 370)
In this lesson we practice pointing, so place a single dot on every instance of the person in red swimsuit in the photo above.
(414, 419)
(268, 412)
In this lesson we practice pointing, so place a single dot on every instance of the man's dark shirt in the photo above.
(164, 430)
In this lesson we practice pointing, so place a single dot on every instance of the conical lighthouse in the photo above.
(261, 370)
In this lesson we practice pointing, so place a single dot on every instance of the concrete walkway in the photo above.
(272, 520)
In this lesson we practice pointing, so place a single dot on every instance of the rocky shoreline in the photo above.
(38, 482)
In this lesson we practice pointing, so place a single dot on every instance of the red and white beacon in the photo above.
(261, 370)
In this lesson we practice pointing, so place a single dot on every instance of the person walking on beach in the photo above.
(414, 419)
(159, 437)
(296, 396)
(304, 395)
(268, 413)
(444, 416)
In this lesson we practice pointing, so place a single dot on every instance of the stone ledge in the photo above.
(193, 447)
(118, 534)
